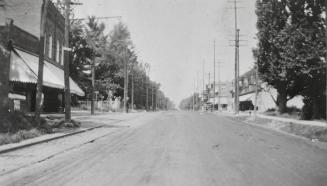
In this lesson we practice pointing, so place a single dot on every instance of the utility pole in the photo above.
(194, 90)
(132, 88)
(197, 90)
(125, 80)
(93, 84)
(157, 99)
(256, 90)
(237, 33)
(38, 105)
(147, 70)
(236, 98)
(209, 86)
(214, 75)
(219, 86)
(146, 92)
(203, 85)
(152, 94)
(66, 63)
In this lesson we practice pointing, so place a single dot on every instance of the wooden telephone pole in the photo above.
(39, 86)
(147, 71)
(152, 97)
(214, 75)
(237, 37)
(66, 63)
(125, 81)
(132, 93)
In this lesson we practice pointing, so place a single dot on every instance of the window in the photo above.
(62, 55)
(246, 82)
(58, 52)
(45, 45)
(50, 47)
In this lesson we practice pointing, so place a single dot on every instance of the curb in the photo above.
(9, 149)
(298, 122)
(319, 144)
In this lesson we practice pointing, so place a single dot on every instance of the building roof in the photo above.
(248, 73)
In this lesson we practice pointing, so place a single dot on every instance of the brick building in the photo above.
(23, 38)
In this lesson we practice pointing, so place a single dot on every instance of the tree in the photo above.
(5, 47)
(110, 51)
(120, 49)
(287, 50)
(306, 41)
(96, 41)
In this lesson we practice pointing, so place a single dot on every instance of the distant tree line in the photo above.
(191, 102)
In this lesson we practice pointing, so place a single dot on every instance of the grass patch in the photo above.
(311, 132)
(291, 113)
(308, 131)
(17, 126)
(6, 138)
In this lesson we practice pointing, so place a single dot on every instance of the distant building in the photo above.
(266, 95)
(24, 36)
(222, 96)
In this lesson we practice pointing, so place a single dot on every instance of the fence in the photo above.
(104, 106)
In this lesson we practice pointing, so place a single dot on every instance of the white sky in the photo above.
(176, 37)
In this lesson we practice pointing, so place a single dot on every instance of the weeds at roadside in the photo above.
(6, 138)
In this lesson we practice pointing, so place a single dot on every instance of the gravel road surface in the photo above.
(181, 149)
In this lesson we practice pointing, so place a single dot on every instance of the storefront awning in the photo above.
(247, 97)
(24, 68)
(221, 100)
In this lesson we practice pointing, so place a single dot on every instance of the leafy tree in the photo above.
(291, 47)
(272, 19)
(307, 43)
(4, 71)
(89, 41)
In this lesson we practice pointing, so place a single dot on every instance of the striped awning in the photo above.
(24, 68)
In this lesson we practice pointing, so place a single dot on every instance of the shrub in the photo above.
(271, 110)
(19, 136)
(12, 122)
(307, 110)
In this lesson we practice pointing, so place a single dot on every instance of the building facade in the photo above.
(222, 98)
(23, 37)
(266, 96)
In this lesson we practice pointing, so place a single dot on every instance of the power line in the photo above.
(107, 17)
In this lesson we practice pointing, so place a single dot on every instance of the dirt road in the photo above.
(183, 148)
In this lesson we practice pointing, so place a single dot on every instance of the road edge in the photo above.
(24, 145)
(318, 144)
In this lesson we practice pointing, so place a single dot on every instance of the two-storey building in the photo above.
(266, 96)
(222, 98)
(24, 49)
